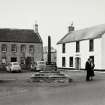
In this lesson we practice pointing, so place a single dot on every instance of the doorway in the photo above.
(77, 63)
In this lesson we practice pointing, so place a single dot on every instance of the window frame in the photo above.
(71, 64)
(3, 46)
(77, 46)
(30, 48)
(63, 61)
(22, 60)
(91, 45)
(63, 48)
(14, 46)
(23, 48)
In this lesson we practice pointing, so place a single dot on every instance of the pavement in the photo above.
(79, 92)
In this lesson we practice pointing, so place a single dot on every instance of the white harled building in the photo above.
(77, 46)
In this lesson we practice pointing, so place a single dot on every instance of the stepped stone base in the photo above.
(50, 74)
(50, 68)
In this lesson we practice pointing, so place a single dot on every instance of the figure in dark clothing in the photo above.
(92, 68)
(88, 69)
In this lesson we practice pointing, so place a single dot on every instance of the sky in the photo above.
(52, 16)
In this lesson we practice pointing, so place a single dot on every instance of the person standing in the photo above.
(92, 68)
(88, 69)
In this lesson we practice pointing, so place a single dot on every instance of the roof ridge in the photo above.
(86, 33)
(19, 35)
(90, 27)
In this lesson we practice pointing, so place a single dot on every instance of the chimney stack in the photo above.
(36, 28)
(71, 28)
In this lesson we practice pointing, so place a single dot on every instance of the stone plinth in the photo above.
(50, 68)
(50, 76)
(50, 73)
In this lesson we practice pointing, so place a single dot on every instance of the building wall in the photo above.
(70, 52)
(38, 49)
(38, 55)
(103, 51)
(97, 53)
(59, 55)
(83, 54)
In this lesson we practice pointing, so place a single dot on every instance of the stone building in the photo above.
(20, 45)
(77, 46)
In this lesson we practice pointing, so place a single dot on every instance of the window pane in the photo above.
(77, 46)
(63, 62)
(22, 60)
(13, 59)
(4, 48)
(14, 48)
(91, 45)
(63, 48)
(31, 48)
(3, 60)
(23, 48)
(71, 61)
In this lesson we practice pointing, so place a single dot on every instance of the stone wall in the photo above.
(37, 55)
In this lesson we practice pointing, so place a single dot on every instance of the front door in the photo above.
(77, 63)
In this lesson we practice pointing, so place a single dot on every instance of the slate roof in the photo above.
(84, 34)
(19, 35)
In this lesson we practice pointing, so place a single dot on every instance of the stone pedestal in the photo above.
(51, 68)
(50, 73)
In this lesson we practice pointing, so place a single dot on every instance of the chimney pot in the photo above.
(71, 28)
(36, 28)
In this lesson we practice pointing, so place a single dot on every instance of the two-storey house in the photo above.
(19, 45)
(77, 46)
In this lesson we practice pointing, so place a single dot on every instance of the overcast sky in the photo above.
(53, 16)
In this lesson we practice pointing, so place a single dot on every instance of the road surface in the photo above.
(20, 91)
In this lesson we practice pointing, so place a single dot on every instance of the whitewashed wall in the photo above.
(70, 52)
(84, 49)
(103, 52)
(59, 55)
(97, 53)
(83, 54)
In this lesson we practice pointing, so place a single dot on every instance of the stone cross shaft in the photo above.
(49, 50)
